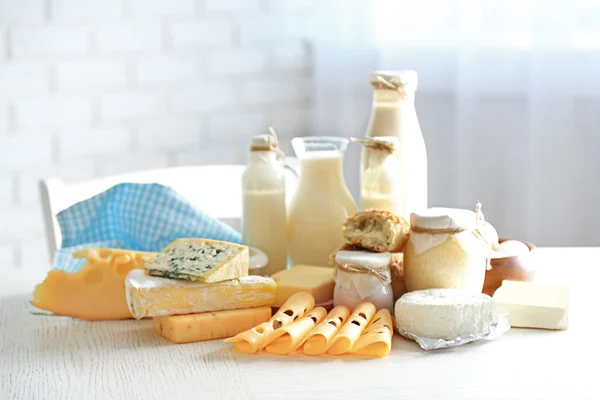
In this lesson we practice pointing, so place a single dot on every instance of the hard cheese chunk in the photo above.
(210, 325)
(534, 305)
(317, 281)
(97, 291)
(151, 296)
(201, 260)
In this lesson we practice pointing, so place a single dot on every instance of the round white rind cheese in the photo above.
(445, 313)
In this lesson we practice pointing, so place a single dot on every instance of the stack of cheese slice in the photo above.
(199, 289)
(300, 327)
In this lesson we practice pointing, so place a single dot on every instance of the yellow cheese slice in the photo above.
(285, 340)
(201, 260)
(152, 296)
(97, 291)
(351, 331)
(376, 339)
(210, 325)
(258, 337)
(317, 281)
(318, 340)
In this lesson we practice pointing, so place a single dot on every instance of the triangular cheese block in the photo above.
(201, 260)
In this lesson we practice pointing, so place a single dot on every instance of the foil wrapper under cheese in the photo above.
(497, 328)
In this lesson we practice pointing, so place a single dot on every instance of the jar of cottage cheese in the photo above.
(448, 248)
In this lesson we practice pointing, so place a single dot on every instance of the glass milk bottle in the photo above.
(394, 115)
(381, 183)
(322, 201)
(264, 220)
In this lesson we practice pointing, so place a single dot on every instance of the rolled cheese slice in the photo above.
(286, 339)
(444, 313)
(351, 331)
(258, 337)
(319, 339)
(376, 339)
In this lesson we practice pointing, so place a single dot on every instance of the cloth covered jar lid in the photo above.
(439, 218)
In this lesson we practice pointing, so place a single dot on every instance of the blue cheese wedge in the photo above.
(201, 260)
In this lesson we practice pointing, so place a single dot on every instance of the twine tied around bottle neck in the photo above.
(382, 83)
(377, 272)
(376, 144)
(479, 218)
(271, 145)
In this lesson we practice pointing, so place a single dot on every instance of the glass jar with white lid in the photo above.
(448, 248)
(363, 276)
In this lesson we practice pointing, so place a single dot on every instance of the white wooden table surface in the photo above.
(47, 357)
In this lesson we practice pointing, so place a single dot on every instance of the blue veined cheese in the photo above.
(152, 296)
(201, 260)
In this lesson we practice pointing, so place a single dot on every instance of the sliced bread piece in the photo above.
(201, 260)
(377, 230)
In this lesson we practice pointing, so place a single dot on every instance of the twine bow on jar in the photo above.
(377, 272)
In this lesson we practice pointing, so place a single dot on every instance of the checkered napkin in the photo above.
(133, 216)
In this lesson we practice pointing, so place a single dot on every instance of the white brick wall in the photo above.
(90, 88)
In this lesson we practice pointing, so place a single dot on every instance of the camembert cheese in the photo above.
(97, 291)
(152, 296)
(201, 260)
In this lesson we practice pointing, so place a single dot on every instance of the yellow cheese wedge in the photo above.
(317, 281)
(351, 331)
(201, 260)
(376, 339)
(210, 325)
(319, 339)
(152, 296)
(285, 340)
(97, 291)
(258, 337)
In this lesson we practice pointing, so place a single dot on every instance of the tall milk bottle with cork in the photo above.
(394, 115)
(264, 219)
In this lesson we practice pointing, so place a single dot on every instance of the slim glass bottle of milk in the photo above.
(264, 220)
(381, 184)
(394, 115)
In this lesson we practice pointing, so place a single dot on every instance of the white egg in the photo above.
(511, 248)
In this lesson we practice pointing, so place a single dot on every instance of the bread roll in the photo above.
(377, 230)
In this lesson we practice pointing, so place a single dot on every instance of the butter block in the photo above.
(201, 260)
(534, 305)
(210, 325)
(317, 281)
(151, 296)
(97, 291)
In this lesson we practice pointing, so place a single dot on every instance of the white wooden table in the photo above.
(47, 357)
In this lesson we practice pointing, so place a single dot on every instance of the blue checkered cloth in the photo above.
(133, 216)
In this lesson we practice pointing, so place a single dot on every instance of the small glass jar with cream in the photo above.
(448, 248)
(363, 276)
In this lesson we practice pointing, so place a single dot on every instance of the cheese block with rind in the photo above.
(191, 328)
(152, 296)
(201, 260)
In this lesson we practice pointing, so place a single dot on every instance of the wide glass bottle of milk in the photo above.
(264, 219)
(394, 114)
(322, 201)
(381, 183)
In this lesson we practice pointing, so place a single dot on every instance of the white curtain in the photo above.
(508, 100)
